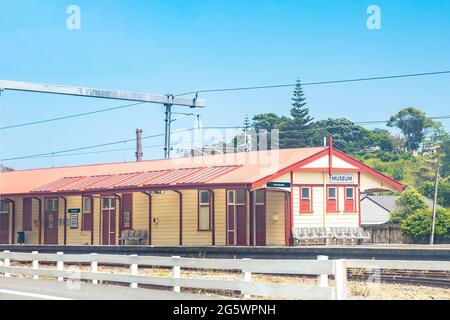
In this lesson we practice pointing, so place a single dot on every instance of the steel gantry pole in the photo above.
(168, 130)
(167, 100)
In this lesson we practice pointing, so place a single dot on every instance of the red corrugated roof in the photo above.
(232, 168)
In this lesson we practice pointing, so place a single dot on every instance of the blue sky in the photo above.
(175, 46)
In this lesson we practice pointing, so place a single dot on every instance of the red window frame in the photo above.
(333, 204)
(350, 203)
(306, 204)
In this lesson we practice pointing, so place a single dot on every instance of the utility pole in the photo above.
(168, 130)
(436, 187)
(139, 153)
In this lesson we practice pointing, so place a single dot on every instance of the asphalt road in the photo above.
(27, 289)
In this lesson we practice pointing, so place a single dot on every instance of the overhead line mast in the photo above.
(167, 100)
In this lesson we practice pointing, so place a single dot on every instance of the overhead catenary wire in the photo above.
(410, 75)
(229, 89)
(52, 154)
(70, 116)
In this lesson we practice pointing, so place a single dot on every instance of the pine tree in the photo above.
(295, 132)
(299, 111)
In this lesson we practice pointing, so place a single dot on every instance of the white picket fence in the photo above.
(322, 268)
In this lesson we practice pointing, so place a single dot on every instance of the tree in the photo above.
(445, 158)
(267, 121)
(427, 190)
(413, 124)
(295, 130)
(347, 136)
(418, 224)
(409, 202)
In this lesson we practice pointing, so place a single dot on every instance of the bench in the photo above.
(317, 234)
(132, 236)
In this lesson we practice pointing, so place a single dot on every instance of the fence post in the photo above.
(176, 273)
(322, 279)
(60, 264)
(35, 264)
(246, 277)
(341, 279)
(7, 263)
(94, 266)
(133, 271)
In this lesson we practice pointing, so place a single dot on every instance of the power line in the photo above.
(70, 116)
(317, 83)
(52, 154)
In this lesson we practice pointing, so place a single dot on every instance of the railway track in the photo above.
(414, 277)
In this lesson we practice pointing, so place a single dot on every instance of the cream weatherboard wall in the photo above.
(275, 218)
(166, 211)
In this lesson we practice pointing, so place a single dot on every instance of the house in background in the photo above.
(376, 210)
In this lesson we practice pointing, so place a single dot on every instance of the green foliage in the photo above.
(295, 131)
(418, 224)
(409, 202)
(445, 158)
(413, 123)
(267, 121)
(427, 189)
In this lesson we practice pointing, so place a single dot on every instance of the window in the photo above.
(231, 196)
(51, 204)
(27, 213)
(87, 203)
(305, 200)
(87, 214)
(260, 196)
(332, 203)
(350, 200)
(204, 211)
(4, 207)
(108, 203)
(240, 196)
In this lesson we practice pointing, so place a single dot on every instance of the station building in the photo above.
(240, 199)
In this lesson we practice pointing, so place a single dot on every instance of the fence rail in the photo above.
(322, 267)
(399, 265)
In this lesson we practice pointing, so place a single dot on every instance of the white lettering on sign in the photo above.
(341, 178)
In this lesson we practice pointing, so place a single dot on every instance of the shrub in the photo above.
(418, 224)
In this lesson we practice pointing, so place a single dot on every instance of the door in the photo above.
(4, 223)
(236, 218)
(51, 221)
(260, 218)
(108, 221)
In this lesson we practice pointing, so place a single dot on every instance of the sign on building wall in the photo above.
(279, 185)
(342, 179)
(73, 218)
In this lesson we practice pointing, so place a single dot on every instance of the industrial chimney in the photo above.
(139, 152)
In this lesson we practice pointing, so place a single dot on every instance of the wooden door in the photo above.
(260, 225)
(241, 225)
(108, 221)
(4, 227)
(51, 221)
(231, 225)
(108, 227)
